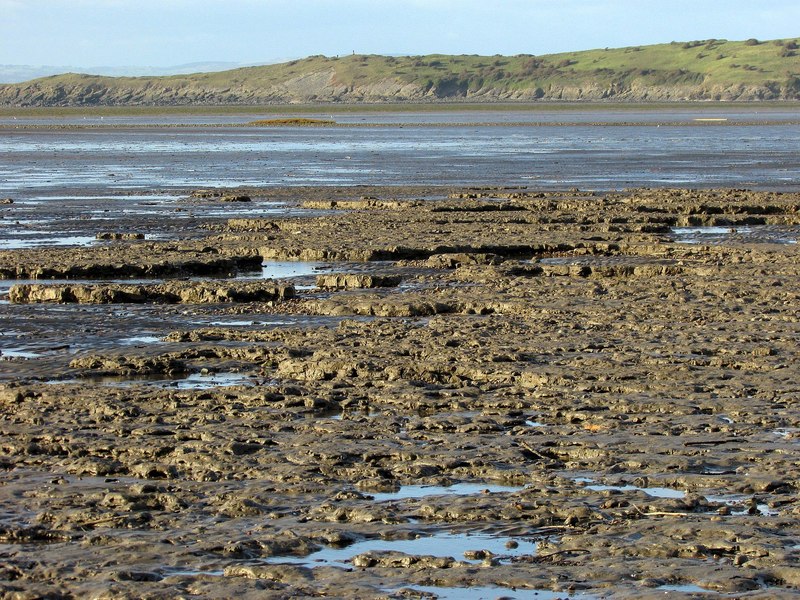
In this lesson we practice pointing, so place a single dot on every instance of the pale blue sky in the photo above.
(172, 32)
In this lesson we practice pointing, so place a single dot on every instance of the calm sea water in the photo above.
(593, 149)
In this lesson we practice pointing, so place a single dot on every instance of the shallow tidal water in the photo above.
(593, 149)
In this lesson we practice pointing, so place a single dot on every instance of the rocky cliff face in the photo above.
(323, 86)
(312, 87)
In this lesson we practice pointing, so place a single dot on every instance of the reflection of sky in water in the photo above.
(545, 156)
(17, 353)
(489, 592)
(655, 492)
(440, 544)
(759, 234)
(38, 242)
(458, 489)
(194, 381)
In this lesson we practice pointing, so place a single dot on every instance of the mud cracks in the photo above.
(513, 392)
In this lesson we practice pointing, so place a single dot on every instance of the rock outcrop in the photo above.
(172, 292)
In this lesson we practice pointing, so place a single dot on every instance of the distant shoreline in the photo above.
(507, 124)
(390, 107)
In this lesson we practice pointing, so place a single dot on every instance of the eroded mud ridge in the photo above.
(532, 395)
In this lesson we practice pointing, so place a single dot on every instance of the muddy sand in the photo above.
(455, 393)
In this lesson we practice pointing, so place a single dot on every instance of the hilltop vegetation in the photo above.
(699, 70)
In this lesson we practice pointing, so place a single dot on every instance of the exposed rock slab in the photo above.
(187, 292)
(354, 281)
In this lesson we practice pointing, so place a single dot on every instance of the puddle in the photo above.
(240, 209)
(711, 230)
(179, 572)
(12, 222)
(488, 593)
(459, 489)
(741, 500)
(142, 339)
(194, 381)
(288, 269)
(530, 423)
(759, 234)
(441, 545)
(13, 353)
(691, 588)
(345, 414)
(655, 492)
(710, 471)
(197, 381)
(733, 500)
(786, 433)
(288, 320)
(688, 588)
(75, 240)
(582, 479)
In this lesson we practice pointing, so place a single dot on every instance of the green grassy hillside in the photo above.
(700, 70)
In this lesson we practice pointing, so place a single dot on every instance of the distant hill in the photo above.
(21, 73)
(699, 70)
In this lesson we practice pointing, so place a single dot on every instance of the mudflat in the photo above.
(406, 392)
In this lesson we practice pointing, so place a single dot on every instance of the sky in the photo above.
(160, 33)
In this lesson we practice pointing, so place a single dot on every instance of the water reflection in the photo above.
(448, 545)
(458, 489)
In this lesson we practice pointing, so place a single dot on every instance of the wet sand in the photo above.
(502, 392)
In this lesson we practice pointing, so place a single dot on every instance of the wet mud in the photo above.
(459, 393)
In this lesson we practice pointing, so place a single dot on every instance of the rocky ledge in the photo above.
(173, 292)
